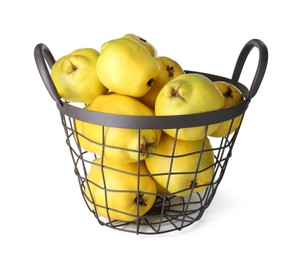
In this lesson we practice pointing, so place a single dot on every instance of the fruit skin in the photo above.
(147, 45)
(232, 96)
(118, 137)
(75, 77)
(183, 166)
(169, 69)
(123, 177)
(126, 67)
(189, 94)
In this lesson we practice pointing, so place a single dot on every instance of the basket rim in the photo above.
(160, 122)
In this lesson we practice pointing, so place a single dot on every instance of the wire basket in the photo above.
(168, 209)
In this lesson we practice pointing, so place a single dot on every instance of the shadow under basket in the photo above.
(170, 210)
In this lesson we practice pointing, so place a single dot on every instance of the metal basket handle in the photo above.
(262, 63)
(42, 56)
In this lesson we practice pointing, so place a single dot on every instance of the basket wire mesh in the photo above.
(170, 211)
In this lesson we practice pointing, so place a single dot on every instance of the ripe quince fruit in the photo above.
(189, 94)
(169, 69)
(180, 167)
(126, 67)
(120, 191)
(147, 45)
(117, 144)
(75, 78)
(232, 96)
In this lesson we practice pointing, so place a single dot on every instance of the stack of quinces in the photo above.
(127, 76)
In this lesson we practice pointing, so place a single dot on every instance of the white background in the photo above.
(43, 215)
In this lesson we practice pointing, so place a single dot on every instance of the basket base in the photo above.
(169, 213)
